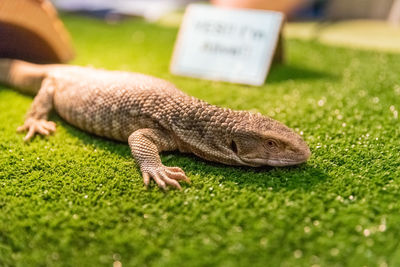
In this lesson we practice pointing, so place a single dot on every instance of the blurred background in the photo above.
(370, 24)
(388, 10)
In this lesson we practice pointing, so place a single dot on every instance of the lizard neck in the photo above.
(204, 130)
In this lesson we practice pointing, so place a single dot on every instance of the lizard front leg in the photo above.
(146, 144)
(36, 119)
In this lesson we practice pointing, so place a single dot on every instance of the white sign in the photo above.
(233, 45)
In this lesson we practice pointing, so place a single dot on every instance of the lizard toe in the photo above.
(48, 125)
(177, 175)
(22, 128)
(40, 129)
(146, 179)
(175, 169)
(161, 184)
(30, 134)
(170, 181)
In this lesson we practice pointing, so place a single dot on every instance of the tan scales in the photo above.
(152, 116)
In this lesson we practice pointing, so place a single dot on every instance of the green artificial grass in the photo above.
(74, 199)
(361, 34)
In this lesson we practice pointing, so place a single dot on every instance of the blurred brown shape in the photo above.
(30, 30)
(285, 6)
(359, 9)
(394, 15)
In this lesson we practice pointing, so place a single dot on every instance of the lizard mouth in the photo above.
(257, 162)
(284, 162)
(278, 162)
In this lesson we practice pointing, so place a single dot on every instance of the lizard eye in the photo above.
(234, 147)
(272, 143)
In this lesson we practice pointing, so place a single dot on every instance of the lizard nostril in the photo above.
(293, 149)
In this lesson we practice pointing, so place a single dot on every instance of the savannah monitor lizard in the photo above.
(152, 115)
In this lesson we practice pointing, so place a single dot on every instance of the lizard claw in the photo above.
(164, 176)
(34, 126)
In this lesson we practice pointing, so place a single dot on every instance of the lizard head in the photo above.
(257, 140)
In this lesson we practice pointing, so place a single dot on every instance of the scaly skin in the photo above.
(152, 115)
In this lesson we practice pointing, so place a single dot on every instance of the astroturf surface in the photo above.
(74, 199)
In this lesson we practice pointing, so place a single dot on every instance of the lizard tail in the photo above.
(26, 77)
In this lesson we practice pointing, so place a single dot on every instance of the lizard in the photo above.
(152, 115)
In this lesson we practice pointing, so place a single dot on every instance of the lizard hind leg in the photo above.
(36, 119)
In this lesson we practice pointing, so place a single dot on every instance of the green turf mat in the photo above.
(78, 200)
(361, 34)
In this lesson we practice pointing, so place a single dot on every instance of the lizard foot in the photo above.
(34, 126)
(164, 176)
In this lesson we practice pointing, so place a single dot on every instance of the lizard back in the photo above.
(112, 104)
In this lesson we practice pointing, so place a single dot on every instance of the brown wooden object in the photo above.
(394, 15)
(31, 30)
